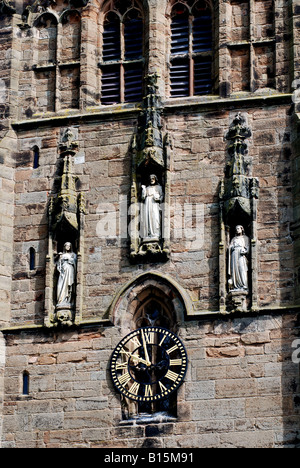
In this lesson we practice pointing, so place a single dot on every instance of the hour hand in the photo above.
(135, 358)
(148, 362)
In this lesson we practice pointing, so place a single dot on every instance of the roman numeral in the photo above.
(148, 391)
(135, 388)
(172, 376)
(175, 362)
(136, 341)
(169, 351)
(124, 379)
(122, 366)
(163, 339)
(149, 337)
(162, 387)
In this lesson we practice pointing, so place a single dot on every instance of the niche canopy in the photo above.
(239, 193)
(64, 270)
(150, 182)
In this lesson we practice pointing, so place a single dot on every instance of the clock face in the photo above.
(149, 364)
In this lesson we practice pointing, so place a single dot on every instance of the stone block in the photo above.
(218, 409)
(47, 422)
(200, 390)
(256, 338)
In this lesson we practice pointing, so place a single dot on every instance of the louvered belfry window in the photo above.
(122, 54)
(191, 49)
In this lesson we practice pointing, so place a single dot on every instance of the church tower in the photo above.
(149, 223)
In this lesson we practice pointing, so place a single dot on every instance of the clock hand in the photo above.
(148, 363)
(137, 358)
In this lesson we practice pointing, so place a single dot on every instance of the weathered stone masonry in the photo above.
(242, 386)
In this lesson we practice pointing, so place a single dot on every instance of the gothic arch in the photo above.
(190, 3)
(149, 286)
(104, 6)
(64, 16)
(44, 16)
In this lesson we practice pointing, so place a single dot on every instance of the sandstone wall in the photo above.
(242, 387)
(240, 390)
(198, 161)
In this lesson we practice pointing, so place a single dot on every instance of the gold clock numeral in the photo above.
(163, 339)
(149, 337)
(172, 376)
(124, 379)
(148, 391)
(162, 387)
(122, 366)
(135, 388)
(171, 350)
(175, 362)
(136, 341)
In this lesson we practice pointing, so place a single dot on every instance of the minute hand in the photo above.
(148, 363)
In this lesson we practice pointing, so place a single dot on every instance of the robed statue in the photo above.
(66, 267)
(152, 196)
(237, 261)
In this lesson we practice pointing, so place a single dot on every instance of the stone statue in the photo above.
(237, 261)
(152, 197)
(66, 267)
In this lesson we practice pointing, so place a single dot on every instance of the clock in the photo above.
(149, 364)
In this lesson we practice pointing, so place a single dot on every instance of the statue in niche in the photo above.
(237, 261)
(66, 267)
(152, 197)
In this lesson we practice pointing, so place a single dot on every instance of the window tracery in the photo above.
(203, 56)
(122, 59)
(57, 64)
(251, 45)
(191, 48)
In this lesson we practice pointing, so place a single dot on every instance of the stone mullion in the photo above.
(191, 58)
(215, 49)
(89, 71)
(122, 70)
(224, 51)
(157, 47)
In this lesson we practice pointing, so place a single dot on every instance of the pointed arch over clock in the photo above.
(157, 304)
(125, 308)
